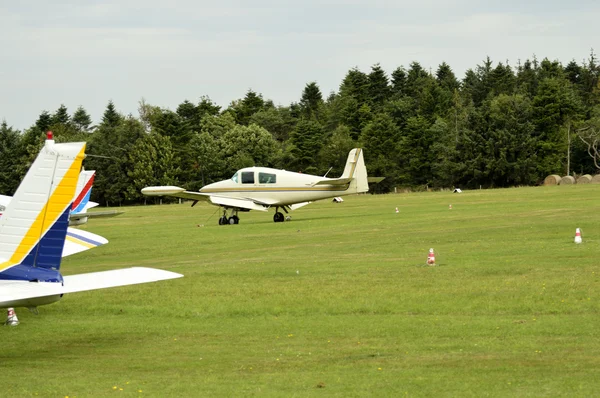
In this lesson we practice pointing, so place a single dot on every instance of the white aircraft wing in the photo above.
(175, 192)
(237, 202)
(299, 205)
(218, 200)
(11, 292)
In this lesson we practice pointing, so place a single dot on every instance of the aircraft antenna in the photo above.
(328, 171)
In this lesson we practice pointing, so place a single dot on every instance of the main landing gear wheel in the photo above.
(223, 220)
(278, 217)
(234, 220)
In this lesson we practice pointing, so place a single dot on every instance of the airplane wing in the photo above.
(176, 192)
(237, 202)
(218, 200)
(14, 293)
(299, 205)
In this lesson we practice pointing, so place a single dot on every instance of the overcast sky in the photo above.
(89, 52)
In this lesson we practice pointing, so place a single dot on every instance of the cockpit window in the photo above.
(248, 177)
(267, 178)
(235, 177)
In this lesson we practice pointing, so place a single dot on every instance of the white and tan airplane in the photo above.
(262, 188)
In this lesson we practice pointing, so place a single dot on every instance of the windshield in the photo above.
(235, 177)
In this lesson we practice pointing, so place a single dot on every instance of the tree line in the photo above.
(499, 126)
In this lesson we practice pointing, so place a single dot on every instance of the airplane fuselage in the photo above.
(275, 187)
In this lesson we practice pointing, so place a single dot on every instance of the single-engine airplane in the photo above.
(261, 188)
(33, 230)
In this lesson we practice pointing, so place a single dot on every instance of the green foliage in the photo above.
(10, 155)
(81, 120)
(244, 109)
(44, 121)
(499, 125)
(311, 102)
(152, 162)
(245, 146)
(305, 143)
(111, 118)
(277, 121)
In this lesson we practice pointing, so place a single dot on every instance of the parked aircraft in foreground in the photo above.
(33, 230)
(261, 188)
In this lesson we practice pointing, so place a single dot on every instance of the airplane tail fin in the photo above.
(83, 191)
(356, 169)
(34, 225)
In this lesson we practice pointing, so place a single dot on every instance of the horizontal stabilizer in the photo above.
(16, 293)
(334, 181)
(375, 180)
(95, 214)
(78, 241)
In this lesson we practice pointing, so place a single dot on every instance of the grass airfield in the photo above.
(336, 302)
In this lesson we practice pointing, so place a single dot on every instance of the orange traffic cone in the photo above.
(11, 319)
(431, 258)
(578, 235)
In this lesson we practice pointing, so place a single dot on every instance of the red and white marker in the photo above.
(397, 211)
(11, 317)
(431, 257)
(578, 235)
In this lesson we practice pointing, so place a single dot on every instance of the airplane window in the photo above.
(266, 178)
(235, 177)
(248, 177)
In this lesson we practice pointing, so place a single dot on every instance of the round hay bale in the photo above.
(596, 179)
(567, 180)
(553, 179)
(584, 179)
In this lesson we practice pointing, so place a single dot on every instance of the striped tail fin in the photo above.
(84, 190)
(34, 225)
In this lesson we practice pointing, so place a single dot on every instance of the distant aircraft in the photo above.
(81, 201)
(261, 188)
(33, 230)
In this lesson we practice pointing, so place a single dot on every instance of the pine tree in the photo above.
(111, 117)
(61, 116)
(379, 87)
(10, 154)
(81, 120)
(44, 121)
(311, 101)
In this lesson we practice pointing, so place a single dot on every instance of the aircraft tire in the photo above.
(278, 217)
(234, 220)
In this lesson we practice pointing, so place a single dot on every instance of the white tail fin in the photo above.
(34, 224)
(83, 192)
(356, 169)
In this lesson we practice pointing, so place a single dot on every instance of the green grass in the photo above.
(337, 302)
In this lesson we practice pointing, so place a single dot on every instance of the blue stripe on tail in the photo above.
(48, 252)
